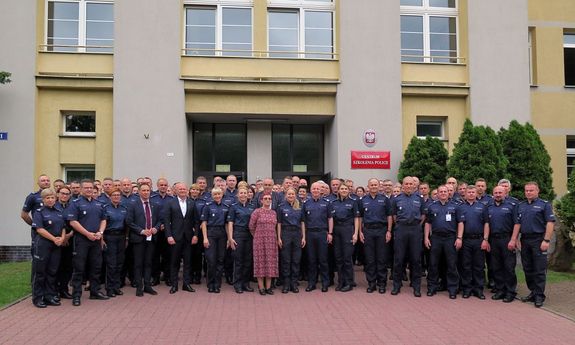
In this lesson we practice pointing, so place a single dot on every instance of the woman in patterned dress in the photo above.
(263, 227)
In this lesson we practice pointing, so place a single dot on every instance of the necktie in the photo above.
(148, 215)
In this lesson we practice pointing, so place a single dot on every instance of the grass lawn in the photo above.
(14, 281)
(552, 276)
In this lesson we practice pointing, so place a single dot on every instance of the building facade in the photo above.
(261, 88)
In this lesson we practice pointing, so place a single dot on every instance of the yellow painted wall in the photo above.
(556, 147)
(75, 63)
(552, 10)
(451, 108)
(52, 149)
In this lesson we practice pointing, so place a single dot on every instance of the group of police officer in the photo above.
(453, 233)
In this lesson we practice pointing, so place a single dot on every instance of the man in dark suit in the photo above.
(144, 221)
(179, 222)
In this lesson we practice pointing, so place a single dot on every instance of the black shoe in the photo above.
(174, 289)
(269, 291)
(76, 301)
(56, 298)
(52, 301)
(538, 303)
(139, 293)
(150, 290)
(480, 295)
(370, 289)
(324, 289)
(111, 294)
(238, 290)
(466, 295)
(310, 288)
(217, 290)
(416, 293)
(431, 293)
(229, 280)
(134, 285)
(168, 282)
(188, 288)
(248, 288)
(40, 304)
(118, 292)
(295, 289)
(528, 298)
(395, 291)
(353, 284)
(99, 296)
(508, 299)
(285, 289)
(65, 295)
(452, 296)
(155, 282)
(498, 296)
(211, 290)
(262, 292)
(382, 289)
(338, 288)
(346, 288)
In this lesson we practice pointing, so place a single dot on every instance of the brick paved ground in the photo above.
(306, 318)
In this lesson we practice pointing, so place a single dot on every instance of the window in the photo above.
(569, 58)
(220, 147)
(531, 55)
(218, 30)
(80, 26)
(570, 155)
(433, 127)
(79, 123)
(301, 29)
(79, 172)
(297, 149)
(429, 31)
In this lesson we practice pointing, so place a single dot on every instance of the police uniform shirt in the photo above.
(230, 197)
(485, 199)
(512, 200)
(375, 209)
(534, 216)
(344, 211)
(442, 217)
(198, 209)
(33, 202)
(104, 199)
(331, 197)
(474, 216)
(289, 216)
(127, 200)
(115, 216)
(206, 196)
(316, 213)
(88, 212)
(501, 217)
(408, 209)
(240, 214)
(50, 219)
(215, 214)
(426, 204)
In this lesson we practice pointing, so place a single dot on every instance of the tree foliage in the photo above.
(5, 77)
(565, 206)
(528, 159)
(478, 154)
(426, 159)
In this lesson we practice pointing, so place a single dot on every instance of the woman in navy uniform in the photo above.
(49, 224)
(213, 220)
(240, 240)
(345, 214)
(115, 239)
(291, 240)
(65, 268)
(197, 259)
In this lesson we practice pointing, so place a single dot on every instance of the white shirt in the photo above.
(183, 206)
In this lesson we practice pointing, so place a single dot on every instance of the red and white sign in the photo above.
(370, 159)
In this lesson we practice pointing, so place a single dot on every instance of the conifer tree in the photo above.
(426, 159)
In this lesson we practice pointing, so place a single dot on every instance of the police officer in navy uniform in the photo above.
(213, 220)
(32, 203)
(240, 240)
(49, 224)
(291, 240)
(161, 263)
(441, 225)
(346, 218)
(230, 197)
(375, 209)
(501, 222)
(408, 210)
(65, 268)
(474, 221)
(87, 218)
(197, 263)
(317, 226)
(143, 220)
(535, 221)
(115, 239)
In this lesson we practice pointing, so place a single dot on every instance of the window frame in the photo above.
(426, 12)
(81, 47)
(423, 120)
(280, 173)
(66, 133)
(567, 46)
(570, 152)
(301, 7)
(219, 5)
(76, 167)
